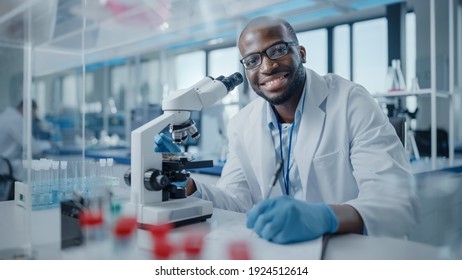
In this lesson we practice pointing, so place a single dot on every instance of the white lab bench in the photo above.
(221, 228)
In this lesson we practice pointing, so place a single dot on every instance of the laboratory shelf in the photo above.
(421, 92)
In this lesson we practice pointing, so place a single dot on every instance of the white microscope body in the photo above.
(147, 177)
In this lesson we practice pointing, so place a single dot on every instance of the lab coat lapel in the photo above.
(311, 125)
(263, 158)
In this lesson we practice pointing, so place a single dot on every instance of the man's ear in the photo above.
(303, 54)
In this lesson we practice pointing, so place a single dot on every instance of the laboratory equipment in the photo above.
(55, 181)
(193, 243)
(153, 195)
(395, 79)
(239, 250)
(94, 231)
(124, 232)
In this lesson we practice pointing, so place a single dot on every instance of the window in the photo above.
(411, 101)
(151, 88)
(410, 48)
(342, 51)
(70, 86)
(120, 85)
(370, 54)
(215, 118)
(225, 62)
(189, 69)
(315, 43)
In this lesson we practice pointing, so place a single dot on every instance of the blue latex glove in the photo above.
(285, 220)
(164, 144)
(181, 184)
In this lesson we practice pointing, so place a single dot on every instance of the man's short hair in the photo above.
(263, 20)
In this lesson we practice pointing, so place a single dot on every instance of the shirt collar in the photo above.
(271, 115)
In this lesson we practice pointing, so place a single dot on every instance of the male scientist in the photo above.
(344, 169)
(11, 137)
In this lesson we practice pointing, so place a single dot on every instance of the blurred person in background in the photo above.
(12, 139)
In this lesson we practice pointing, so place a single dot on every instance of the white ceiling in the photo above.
(113, 28)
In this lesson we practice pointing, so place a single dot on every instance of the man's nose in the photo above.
(267, 65)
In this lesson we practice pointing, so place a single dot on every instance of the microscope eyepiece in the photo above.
(231, 81)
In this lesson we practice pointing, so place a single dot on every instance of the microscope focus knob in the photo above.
(154, 180)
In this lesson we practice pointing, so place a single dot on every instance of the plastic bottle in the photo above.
(124, 241)
(194, 243)
(162, 248)
(239, 250)
(94, 233)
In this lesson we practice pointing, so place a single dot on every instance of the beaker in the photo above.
(414, 84)
(395, 79)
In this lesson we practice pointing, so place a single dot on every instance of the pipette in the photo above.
(275, 178)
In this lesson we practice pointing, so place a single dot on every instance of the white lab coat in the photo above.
(11, 140)
(346, 149)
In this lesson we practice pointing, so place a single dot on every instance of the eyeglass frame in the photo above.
(287, 44)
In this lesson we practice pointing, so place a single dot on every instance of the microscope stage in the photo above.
(178, 212)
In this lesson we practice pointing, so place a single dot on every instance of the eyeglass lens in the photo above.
(273, 52)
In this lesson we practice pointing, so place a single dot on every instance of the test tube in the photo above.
(35, 183)
(110, 167)
(75, 174)
(46, 186)
(111, 180)
(54, 182)
(87, 171)
(102, 172)
(42, 184)
(63, 180)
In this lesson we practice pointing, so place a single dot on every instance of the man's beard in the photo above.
(298, 81)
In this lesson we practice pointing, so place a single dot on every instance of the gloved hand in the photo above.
(181, 184)
(165, 144)
(285, 220)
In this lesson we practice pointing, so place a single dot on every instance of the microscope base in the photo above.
(179, 212)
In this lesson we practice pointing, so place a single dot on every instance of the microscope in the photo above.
(152, 175)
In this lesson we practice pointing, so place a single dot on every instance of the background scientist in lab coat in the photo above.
(11, 137)
(345, 169)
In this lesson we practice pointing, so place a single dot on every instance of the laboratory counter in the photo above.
(122, 156)
(222, 230)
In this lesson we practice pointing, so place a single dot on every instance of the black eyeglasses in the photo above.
(273, 52)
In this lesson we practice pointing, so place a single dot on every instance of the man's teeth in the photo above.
(272, 81)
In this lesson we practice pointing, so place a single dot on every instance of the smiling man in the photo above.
(344, 168)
